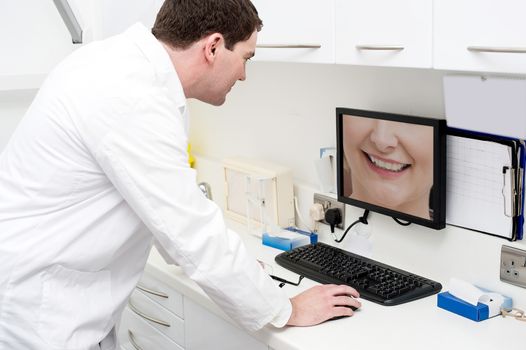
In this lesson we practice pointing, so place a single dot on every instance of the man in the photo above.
(97, 170)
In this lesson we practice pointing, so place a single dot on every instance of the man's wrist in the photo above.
(284, 315)
(292, 319)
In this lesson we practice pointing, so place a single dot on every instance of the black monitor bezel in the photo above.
(439, 165)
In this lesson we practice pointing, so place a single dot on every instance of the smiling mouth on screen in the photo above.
(384, 166)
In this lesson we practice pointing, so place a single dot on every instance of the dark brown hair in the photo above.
(180, 23)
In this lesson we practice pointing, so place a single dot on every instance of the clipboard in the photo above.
(521, 189)
(485, 177)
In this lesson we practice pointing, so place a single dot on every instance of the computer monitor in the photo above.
(392, 164)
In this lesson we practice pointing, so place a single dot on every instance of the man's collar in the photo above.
(155, 52)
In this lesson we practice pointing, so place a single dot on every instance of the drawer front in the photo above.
(157, 316)
(136, 334)
(162, 294)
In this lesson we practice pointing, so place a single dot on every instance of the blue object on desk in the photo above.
(458, 306)
(313, 236)
(287, 242)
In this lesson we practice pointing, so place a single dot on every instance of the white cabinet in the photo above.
(205, 330)
(160, 318)
(161, 294)
(136, 334)
(296, 31)
(480, 35)
(154, 317)
(396, 33)
(157, 316)
(468, 35)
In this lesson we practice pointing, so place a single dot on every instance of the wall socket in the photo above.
(513, 266)
(327, 203)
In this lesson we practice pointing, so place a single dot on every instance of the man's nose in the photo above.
(243, 74)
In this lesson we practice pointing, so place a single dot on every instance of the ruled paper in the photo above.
(478, 193)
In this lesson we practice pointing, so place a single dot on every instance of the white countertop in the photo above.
(416, 325)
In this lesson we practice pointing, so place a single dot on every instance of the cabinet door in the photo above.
(296, 31)
(33, 39)
(480, 35)
(204, 330)
(393, 33)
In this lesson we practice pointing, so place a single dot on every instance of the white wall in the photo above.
(13, 105)
(285, 113)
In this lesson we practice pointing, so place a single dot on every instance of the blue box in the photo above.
(458, 306)
(313, 236)
(286, 243)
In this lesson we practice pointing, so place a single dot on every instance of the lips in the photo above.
(387, 165)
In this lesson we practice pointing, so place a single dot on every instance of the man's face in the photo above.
(228, 68)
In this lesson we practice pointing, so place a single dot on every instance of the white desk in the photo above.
(416, 325)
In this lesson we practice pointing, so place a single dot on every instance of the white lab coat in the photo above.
(95, 172)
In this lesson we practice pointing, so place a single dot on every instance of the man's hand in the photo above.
(320, 303)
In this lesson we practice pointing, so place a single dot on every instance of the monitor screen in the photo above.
(392, 164)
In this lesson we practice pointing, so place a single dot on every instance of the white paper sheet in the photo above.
(478, 196)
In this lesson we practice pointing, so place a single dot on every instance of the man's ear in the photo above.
(212, 45)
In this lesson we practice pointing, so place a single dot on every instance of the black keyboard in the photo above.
(377, 282)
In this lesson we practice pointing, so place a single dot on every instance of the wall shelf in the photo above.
(21, 82)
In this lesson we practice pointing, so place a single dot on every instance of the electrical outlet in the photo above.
(513, 266)
(328, 203)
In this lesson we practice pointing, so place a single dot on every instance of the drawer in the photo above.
(157, 316)
(136, 334)
(162, 294)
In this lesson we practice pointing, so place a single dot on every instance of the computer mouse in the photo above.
(353, 308)
(338, 317)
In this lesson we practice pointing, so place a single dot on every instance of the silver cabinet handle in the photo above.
(143, 315)
(131, 337)
(70, 20)
(497, 49)
(150, 291)
(288, 46)
(380, 47)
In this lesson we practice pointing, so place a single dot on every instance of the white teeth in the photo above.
(396, 167)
